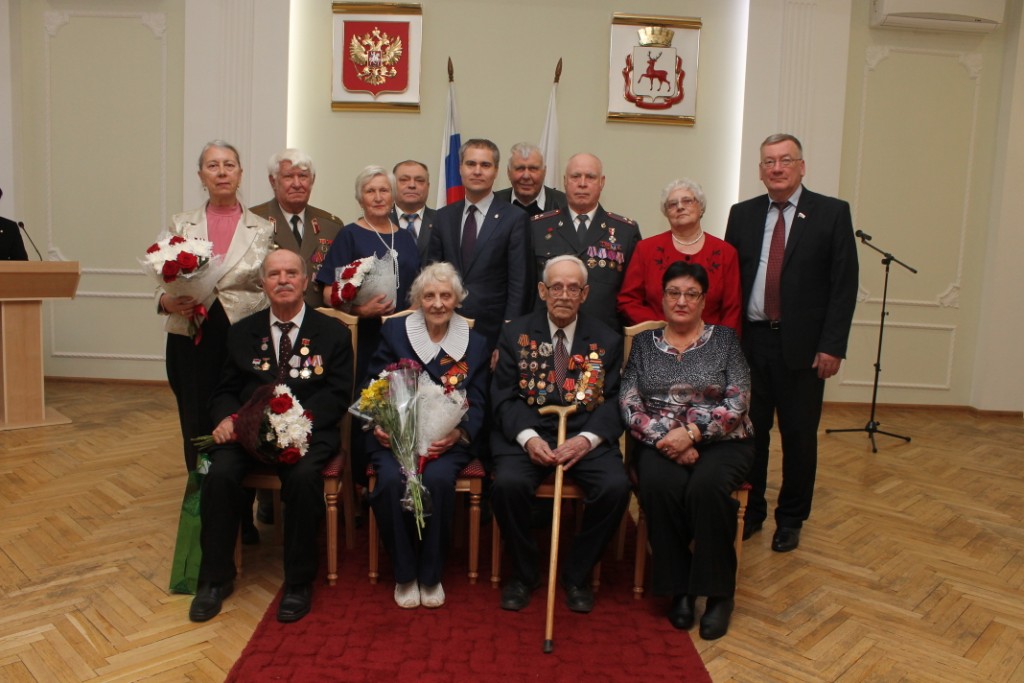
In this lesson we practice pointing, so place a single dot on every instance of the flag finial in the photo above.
(558, 70)
(451, 71)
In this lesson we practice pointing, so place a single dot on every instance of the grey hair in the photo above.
(263, 265)
(480, 143)
(368, 174)
(684, 184)
(563, 258)
(441, 272)
(523, 150)
(221, 145)
(299, 160)
(782, 137)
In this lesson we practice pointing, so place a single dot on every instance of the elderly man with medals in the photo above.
(557, 356)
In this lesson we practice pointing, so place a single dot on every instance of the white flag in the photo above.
(549, 143)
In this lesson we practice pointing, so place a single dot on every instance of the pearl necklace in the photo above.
(700, 234)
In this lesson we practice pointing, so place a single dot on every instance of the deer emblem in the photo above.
(653, 73)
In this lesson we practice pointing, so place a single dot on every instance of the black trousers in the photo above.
(193, 371)
(222, 498)
(693, 504)
(602, 477)
(413, 559)
(796, 397)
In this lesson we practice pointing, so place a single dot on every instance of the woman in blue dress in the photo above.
(373, 234)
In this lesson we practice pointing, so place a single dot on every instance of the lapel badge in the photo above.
(316, 226)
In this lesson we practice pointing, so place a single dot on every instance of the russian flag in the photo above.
(449, 180)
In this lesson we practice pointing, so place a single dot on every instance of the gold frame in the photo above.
(343, 99)
(683, 113)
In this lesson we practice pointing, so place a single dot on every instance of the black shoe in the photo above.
(515, 595)
(209, 598)
(579, 598)
(265, 511)
(680, 614)
(295, 602)
(715, 622)
(786, 538)
(250, 534)
(751, 528)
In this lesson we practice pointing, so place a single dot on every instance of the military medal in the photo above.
(293, 373)
(265, 366)
(305, 373)
(305, 347)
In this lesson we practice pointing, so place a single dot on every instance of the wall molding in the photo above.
(945, 386)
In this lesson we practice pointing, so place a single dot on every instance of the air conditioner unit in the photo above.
(980, 16)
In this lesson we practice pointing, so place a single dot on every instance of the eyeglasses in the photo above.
(691, 295)
(784, 162)
(683, 203)
(571, 291)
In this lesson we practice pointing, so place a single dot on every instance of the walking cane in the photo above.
(563, 413)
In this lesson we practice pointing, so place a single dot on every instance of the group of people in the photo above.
(519, 297)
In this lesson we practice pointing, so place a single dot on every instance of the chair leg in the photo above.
(620, 537)
(348, 501)
(640, 565)
(331, 496)
(474, 534)
(238, 552)
(374, 540)
(495, 554)
(740, 496)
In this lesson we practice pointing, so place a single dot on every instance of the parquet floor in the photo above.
(911, 568)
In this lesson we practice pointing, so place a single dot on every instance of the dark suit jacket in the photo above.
(526, 360)
(606, 251)
(426, 228)
(394, 346)
(553, 199)
(499, 276)
(318, 233)
(326, 396)
(819, 272)
(12, 248)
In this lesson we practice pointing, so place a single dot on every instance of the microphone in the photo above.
(863, 235)
(22, 226)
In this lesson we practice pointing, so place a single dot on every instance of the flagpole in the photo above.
(449, 181)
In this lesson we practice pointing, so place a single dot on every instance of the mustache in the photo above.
(284, 288)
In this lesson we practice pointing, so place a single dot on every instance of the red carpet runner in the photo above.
(355, 632)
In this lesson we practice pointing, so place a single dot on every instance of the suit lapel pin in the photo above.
(801, 215)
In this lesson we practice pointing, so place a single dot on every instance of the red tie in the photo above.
(773, 274)
(561, 359)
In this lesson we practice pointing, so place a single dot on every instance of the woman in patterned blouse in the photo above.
(684, 397)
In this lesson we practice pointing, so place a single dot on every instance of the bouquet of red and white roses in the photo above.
(363, 279)
(272, 426)
(184, 266)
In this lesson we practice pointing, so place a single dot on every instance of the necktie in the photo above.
(561, 359)
(469, 235)
(773, 273)
(296, 230)
(284, 353)
(581, 230)
(410, 222)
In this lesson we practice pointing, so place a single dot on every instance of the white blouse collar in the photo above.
(455, 341)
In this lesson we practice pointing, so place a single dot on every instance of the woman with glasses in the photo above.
(683, 203)
(684, 397)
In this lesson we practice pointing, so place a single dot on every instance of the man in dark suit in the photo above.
(12, 248)
(293, 344)
(488, 242)
(410, 212)
(299, 227)
(605, 243)
(557, 356)
(526, 171)
(798, 267)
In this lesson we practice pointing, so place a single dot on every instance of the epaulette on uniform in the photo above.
(547, 214)
(617, 217)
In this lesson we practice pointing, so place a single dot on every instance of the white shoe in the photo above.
(407, 595)
(432, 597)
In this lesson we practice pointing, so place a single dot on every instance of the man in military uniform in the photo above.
(526, 171)
(299, 227)
(604, 241)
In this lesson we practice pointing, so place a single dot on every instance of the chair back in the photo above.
(631, 331)
(351, 322)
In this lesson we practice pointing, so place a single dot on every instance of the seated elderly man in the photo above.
(309, 352)
(557, 356)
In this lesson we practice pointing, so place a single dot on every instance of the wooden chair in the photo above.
(469, 481)
(337, 474)
(740, 495)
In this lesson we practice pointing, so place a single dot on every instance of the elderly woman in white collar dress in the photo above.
(453, 355)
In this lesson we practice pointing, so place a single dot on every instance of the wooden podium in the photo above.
(23, 286)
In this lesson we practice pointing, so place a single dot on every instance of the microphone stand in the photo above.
(872, 426)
